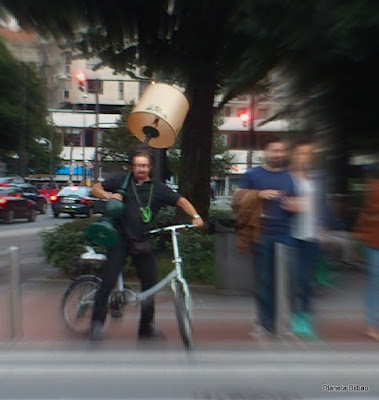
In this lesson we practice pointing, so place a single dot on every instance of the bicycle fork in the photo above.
(178, 261)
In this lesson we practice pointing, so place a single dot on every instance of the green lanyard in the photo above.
(146, 213)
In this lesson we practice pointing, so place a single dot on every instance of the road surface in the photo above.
(93, 373)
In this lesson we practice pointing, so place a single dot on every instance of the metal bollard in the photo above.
(15, 293)
(282, 299)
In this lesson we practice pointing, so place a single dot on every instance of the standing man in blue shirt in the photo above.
(276, 190)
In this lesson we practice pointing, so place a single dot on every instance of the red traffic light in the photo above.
(244, 117)
(81, 77)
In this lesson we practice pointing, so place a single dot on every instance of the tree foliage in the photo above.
(117, 145)
(221, 158)
(23, 112)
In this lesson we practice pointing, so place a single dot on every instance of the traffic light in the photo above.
(82, 81)
(244, 116)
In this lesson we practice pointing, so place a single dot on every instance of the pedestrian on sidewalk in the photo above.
(271, 183)
(143, 199)
(308, 221)
(213, 188)
(366, 230)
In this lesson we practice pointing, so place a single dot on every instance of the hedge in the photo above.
(63, 245)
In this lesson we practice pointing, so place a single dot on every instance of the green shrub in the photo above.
(165, 217)
(63, 245)
(225, 216)
(197, 252)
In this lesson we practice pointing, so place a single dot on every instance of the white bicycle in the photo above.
(79, 298)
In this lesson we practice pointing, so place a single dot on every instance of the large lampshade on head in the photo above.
(159, 115)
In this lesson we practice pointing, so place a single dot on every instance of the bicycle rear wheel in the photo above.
(78, 302)
(183, 313)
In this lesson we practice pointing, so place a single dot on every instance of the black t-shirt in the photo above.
(131, 223)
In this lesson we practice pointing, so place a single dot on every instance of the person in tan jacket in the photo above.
(366, 230)
(247, 207)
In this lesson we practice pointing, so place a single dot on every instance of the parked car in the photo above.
(48, 189)
(76, 200)
(11, 179)
(14, 205)
(30, 192)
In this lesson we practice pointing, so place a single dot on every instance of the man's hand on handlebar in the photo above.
(198, 222)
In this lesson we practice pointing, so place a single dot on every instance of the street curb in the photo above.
(194, 287)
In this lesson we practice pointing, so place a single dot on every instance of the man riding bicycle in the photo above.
(143, 199)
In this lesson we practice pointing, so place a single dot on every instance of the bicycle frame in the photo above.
(175, 274)
(87, 285)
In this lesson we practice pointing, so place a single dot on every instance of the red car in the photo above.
(49, 189)
(14, 205)
(34, 194)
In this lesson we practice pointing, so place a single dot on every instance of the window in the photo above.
(89, 137)
(227, 111)
(79, 191)
(247, 140)
(240, 140)
(67, 63)
(66, 94)
(142, 88)
(95, 85)
(71, 139)
(262, 113)
(67, 58)
(223, 138)
(121, 90)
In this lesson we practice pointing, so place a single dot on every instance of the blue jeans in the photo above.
(304, 256)
(372, 287)
(264, 266)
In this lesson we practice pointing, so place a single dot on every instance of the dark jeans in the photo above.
(146, 268)
(303, 263)
(372, 287)
(265, 289)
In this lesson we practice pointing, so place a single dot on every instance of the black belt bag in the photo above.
(140, 247)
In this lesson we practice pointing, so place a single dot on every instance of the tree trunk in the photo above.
(196, 141)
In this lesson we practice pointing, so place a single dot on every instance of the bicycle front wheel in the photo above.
(78, 302)
(183, 313)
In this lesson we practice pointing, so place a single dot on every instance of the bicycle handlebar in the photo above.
(172, 228)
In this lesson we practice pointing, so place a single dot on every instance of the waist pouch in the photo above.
(140, 247)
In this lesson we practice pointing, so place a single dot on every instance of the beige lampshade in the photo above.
(161, 109)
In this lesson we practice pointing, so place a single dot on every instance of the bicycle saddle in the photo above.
(91, 255)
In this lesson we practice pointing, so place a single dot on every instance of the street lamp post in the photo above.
(97, 138)
(85, 96)
(51, 160)
(50, 144)
(247, 117)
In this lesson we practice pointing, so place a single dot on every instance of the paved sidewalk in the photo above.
(219, 321)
